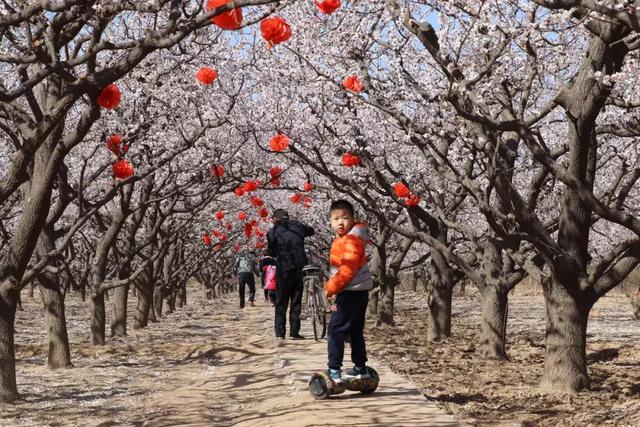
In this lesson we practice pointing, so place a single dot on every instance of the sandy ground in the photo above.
(478, 392)
(208, 363)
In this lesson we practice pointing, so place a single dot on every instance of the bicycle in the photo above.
(315, 300)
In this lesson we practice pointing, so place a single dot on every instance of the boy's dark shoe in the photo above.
(297, 337)
(357, 372)
(335, 375)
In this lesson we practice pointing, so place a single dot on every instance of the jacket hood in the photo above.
(361, 230)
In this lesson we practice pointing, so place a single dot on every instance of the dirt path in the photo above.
(206, 364)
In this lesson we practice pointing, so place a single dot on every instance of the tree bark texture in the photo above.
(494, 323)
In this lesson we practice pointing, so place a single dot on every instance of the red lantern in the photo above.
(206, 239)
(223, 238)
(248, 229)
(263, 213)
(412, 200)
(401, 190)
(275, 171)
(206, 75)
(219, 215)
(239, 191)
(230, 20)
(122, 169)
(250, 186)
(353, 84)
(217, 247)
(236, 247)
(259, 245)
(259, 233)
(295, 198)
(328, 6)
(113, 144)
(217, 170)
(275, 30)
(279, 142)
(308, 186)
(229, 226)
(350, 160)
(242, 216)
(256, 201)
(109, 97)
(215, 233)
(307, 202)
(276, 182)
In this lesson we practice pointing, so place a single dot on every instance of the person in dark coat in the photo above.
(286, 245)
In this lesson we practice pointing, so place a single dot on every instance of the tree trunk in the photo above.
(372, 308)
(97, 319)
(565, 362)
(494, 323)
(59, 355)
(181, 297)
(119, 320)
(385, 310)
(8, 302)
(157, 302)
(439, 312)
(143, 307)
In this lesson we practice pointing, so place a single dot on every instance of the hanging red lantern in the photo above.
(242, 216)
(256, 201)
(276, 182)
(223, 237)
(122, 169)
(259, 245)
(206, 75)
(308, 186)
(259, 233)
(217, 247)
(306, 202)
(109, 97)
(229, 20)
(250, 186)
(263, 213)
(280, 142)
(113, 144)
(219, 215)
(239, 192)
(401, 190)
(412, 200)
(353, 84)
(215, 233)
(328, 6)
(229, 226)
(248, 229)
(350, 160)
(206, 239)
(275, 171)
(236, 247)
(275, 30)
(295, 198)
(217, 170)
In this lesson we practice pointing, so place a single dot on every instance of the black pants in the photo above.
(289, 291)
(348, 320)
(246, 279)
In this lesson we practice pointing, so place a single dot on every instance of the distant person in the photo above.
(286, 245)
(244, 267)
(264, 260)
(350, 281)
(270, 279)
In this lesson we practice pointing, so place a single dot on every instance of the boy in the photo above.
(350, 281)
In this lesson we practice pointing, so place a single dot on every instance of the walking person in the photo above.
(263, 261)
(245, 265)
(286, 245)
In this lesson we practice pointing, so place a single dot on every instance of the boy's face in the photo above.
(341, 221)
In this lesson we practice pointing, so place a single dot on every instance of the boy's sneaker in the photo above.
(335, 375)
(357, 372)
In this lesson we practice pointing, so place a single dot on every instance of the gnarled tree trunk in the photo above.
(494, 323)
(8, 302)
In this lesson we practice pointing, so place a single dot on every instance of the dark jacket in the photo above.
(286, 244)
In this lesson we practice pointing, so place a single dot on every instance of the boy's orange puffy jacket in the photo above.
(349, 269)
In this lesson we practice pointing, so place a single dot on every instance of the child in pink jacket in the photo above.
(270, 282)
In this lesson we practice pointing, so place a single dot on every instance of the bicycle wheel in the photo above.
(312, 313)
(319, 315)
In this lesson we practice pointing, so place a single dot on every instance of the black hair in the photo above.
(342, 204)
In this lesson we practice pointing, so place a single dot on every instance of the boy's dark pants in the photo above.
(246, 279)
(348, 320)
(288, 291)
